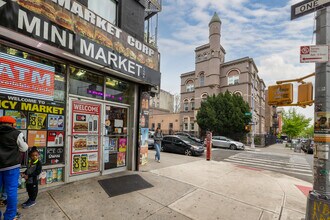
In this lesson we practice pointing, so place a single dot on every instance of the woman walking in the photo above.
(158, 137)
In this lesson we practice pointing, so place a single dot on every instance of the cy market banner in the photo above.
(41, 122)
(72, 27)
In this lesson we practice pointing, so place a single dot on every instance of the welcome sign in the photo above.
(70, 26)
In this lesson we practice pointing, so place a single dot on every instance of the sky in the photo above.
(259, 29)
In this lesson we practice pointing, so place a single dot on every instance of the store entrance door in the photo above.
(115, 137)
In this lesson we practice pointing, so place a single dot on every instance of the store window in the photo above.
(159, 125)
(107, 9)
(119, 91)
(85, 83)
(38, 89)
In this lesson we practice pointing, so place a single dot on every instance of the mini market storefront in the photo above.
(75, 97)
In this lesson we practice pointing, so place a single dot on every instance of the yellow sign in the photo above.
(280, 94)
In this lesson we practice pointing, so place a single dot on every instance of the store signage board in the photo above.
(22, 77)
(306, 7)
(92, 38)
(314, 54)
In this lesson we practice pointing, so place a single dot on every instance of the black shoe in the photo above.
(26, 202)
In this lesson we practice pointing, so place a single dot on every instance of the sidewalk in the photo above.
(179, 187)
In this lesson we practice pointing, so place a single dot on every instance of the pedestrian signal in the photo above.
(305, 93)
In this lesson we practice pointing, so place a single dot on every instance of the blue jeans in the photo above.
(157, 147)
(9, 179)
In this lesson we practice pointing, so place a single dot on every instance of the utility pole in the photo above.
(318, 202)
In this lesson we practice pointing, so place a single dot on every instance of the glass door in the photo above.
(115, 137)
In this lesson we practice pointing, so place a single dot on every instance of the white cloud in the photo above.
(263, 33)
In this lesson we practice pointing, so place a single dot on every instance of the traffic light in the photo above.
(280, 94)
(305, 93)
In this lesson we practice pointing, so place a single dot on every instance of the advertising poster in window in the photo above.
(55, 139)
(55, 122)
(55, 155)
(122, 144)
(85, 137)
(37, 138)
(144, 131)
(20, 117)
(85, 162)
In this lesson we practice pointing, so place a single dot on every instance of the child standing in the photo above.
(31, 176)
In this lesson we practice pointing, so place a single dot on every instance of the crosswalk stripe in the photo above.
(272, 161)
(273, 169)
(236, 160)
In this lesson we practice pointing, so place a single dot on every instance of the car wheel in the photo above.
(161, 148)
(187, 152)
(232, 147)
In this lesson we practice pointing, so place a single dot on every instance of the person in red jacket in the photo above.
(11, 144)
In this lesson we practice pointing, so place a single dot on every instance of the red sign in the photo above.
(26, 78)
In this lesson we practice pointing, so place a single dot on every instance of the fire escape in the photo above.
(151, 21)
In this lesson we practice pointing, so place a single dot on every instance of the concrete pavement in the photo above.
(182, 188)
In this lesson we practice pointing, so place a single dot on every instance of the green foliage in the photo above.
(224, 114)
(308, 132)
(293, 123)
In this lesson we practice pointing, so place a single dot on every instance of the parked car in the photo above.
(192, 137)
(221, 141)
(151, 141)
(181, 145)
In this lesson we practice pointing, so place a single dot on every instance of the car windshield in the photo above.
(188, 140)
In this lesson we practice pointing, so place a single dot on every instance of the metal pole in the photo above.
(252, 106)
(318, 201)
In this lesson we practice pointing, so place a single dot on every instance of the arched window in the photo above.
(185, 105)
(204, 97)
(201, 79)
(190, 86)
(238, 93)
(192, 104)
(233, 77)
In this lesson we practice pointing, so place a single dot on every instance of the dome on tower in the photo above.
(215, 18)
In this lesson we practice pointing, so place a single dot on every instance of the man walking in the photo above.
(11, 144)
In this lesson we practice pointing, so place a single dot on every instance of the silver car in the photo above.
(221, 141)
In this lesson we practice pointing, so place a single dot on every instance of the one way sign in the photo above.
(306, 7)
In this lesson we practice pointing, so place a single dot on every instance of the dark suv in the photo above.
(189, 136)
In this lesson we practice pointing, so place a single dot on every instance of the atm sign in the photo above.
(26, 78)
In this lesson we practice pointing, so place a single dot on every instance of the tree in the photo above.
(224, 114)
(308, 132)
(293, 123)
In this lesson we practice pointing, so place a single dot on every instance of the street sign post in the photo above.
(307, 7)
(314, 54)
